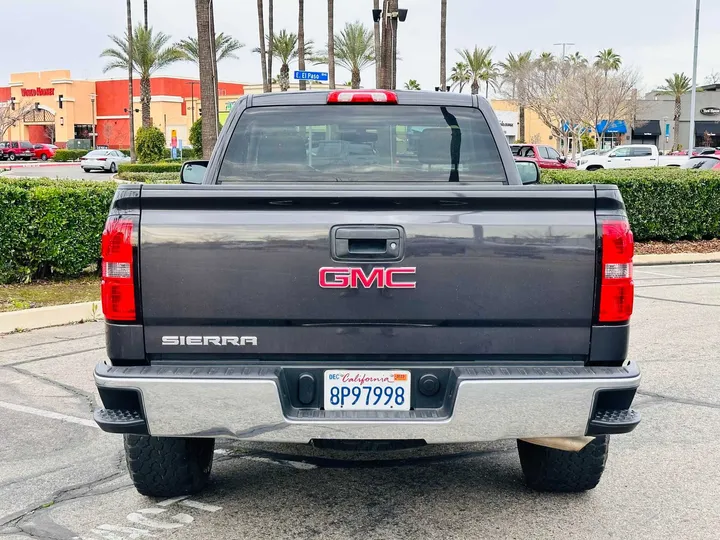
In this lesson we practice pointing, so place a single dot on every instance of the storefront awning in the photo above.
(616, 126)
(647, 128)
(712, 128)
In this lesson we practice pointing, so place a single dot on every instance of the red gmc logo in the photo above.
(333, 277)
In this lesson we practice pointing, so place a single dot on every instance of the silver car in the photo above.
(103, 160)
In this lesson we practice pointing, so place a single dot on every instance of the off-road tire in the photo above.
(548, 469)
(168, 466)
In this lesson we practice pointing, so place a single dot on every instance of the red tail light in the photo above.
(617, 289)
(362, 96)
(102, 159)
(117, 288)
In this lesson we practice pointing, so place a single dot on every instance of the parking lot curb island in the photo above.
(29, 319)
(676, 258)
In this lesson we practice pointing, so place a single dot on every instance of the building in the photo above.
(68, 109)
(536, 132)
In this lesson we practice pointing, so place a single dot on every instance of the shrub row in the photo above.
(662, 203)
(50, 226)
(151, 177)
(151, 167)
(68, 155)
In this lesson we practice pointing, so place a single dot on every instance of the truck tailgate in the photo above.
(497, 270)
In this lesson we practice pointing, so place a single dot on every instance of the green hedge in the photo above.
(68, 155)
(50, 226)
(151, 177)
(662, 203)
(150, 167)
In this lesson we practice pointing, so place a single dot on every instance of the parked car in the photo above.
(703, 162)
(697, 151)
(630, 156)
(13, 150)
(545, 156)
(234, 312)
(103, 160)
(44, 152)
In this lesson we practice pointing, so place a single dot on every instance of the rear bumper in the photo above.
(483, 404)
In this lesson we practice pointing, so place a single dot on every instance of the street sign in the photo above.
(174, 152)
(311, 76)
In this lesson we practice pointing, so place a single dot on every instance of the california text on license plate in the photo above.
(358, 390)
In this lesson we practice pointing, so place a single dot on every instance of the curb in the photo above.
(30, 319)
(41, 164)
(676, 258)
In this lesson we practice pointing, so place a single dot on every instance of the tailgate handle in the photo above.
(367, 243)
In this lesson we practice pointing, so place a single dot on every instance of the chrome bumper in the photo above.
(488, 403)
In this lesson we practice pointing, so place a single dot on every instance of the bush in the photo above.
(172, 166)
(149, 144)
(50, 226)
(68, 155)
(663, 203)
(195, 137)
(151, 177)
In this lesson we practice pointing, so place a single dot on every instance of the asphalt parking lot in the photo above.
(55, 171)
(62, 478)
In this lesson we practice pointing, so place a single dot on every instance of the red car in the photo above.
(12, 150)
(545, 156)
(44, 151)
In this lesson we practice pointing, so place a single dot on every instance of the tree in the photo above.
(285, 49)
(331, 44)
(271, 41)
(263, 53)
(515, 70)
(11, 113)
(676, 86)
(225, 47)
(607, 60)
(145, 12)
(195, 138)
(490, 75)
(376, 52)
(130, 61)
(150, 144)
(301, 41)
(577, 59)
(150, 53)
(208, 80)
(477, 62)
(459, 76)
(443, 41)
(354, 50)
(713, 78)
(412, 84)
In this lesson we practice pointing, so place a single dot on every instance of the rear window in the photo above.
(701, 163)
(97, 153)
(362, 143)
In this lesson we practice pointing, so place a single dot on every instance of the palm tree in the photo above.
(263, 53)
(354, 50)
(459, 76)
(285, 49)
(443, 40)
(301, 41)
(376, 52)
(150, 53)
(412, 84)
(205, 17)
(477, 62)
(271, 41)
(676, 86)
(607, 60)
(545, 60)
(131, 113)
(577, 60)
(331, 44)
(515, 71)
(490, 74)
(225, 47)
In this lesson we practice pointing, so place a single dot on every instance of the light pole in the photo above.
(691, 145)
(564, 46)
(94, 131)
(192, 98)
(392, 15)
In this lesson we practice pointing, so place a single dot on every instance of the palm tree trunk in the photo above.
(474, 87)
(263, 54)
(487, 89)
(301, 41)
(521, 123)
(443, 44)
(355, 79)
(394, 25)
(145, 13)
(145, 96)
(385, 50)
(378, 59)
(131, 105)
(676, 118)
(207, 82)
(331, 44)
(271, 18)
(284, 78)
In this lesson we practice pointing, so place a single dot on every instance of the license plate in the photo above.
(358, 390)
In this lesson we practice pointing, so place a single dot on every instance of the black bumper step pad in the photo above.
(608, 421)
(120, 421)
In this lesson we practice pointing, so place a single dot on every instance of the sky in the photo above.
(653, 36)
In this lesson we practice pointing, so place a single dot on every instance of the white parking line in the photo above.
(201, 506)
(48, 414)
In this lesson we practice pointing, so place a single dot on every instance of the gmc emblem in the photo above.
(334, 277)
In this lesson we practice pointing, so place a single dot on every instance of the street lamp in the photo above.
(192, 98)
(694, 79)
(94, 131)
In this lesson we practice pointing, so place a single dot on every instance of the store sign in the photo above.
(710, 111)
(509, 122)
(34, 92)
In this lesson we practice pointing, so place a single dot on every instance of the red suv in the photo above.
(12, 150)
(545, 156)
(44, 151)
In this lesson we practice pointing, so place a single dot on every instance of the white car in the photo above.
(630, 156)
(103, 160)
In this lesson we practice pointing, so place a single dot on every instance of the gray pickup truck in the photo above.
(355, 266)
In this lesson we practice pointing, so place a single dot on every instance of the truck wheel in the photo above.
(168, 466)
(594, 168)
(11, 157)
(548, 469)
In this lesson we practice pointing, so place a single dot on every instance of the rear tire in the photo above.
(594, 168)
(168, 466)
(44, 157)
(11, 157)
(86, 170)
(548, 469)
(113, 167)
